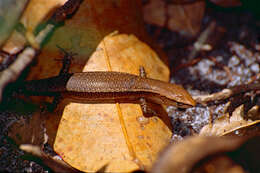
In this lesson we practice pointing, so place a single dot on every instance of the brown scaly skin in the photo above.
(97, 87)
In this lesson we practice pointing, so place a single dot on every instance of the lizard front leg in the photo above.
(66, 62)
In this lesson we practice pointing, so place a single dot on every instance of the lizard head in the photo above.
(172, 94)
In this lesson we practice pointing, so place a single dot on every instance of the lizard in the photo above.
(107, 87)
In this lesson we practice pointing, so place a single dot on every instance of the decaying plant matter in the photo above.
(217, 63)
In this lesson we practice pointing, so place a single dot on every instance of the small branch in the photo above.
(188, 64)
(25, 58)
(226, 68)
(55, 164)
(14, 70)
(6, 60)
(226, 93)
(199, 44)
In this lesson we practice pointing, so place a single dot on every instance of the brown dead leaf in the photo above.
(225, 124)
(183, 18)
(219, 164)
(155, 12)
(90, 135)
(252, 129)
(55, 164)
(210, 154)
(227, 3)
(186, 18)
(28, 131)
(183, 156)
(254, 113)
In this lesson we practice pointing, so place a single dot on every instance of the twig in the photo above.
(198, 45)
(226, 93)
(55, 164)
(5, 60)
(222, 66)
(188, 64)
(25, 58)
(14, 70)
(254, 78)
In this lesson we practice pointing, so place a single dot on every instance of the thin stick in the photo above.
(55, 164)
(201, 40)
(226, 93)
(25, 58)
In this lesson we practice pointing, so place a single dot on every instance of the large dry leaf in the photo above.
(183, 156)
(90, 135)
(225, 124)
(210, 154)
(184, 18)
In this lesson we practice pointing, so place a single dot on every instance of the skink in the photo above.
(99, 87)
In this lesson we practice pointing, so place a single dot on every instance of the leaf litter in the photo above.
(239, 54)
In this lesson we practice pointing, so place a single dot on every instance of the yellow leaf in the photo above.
(90, 135)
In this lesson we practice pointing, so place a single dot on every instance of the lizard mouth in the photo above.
(183, 105)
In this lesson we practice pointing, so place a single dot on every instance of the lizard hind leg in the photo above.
(142, 72)
(145, 107)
